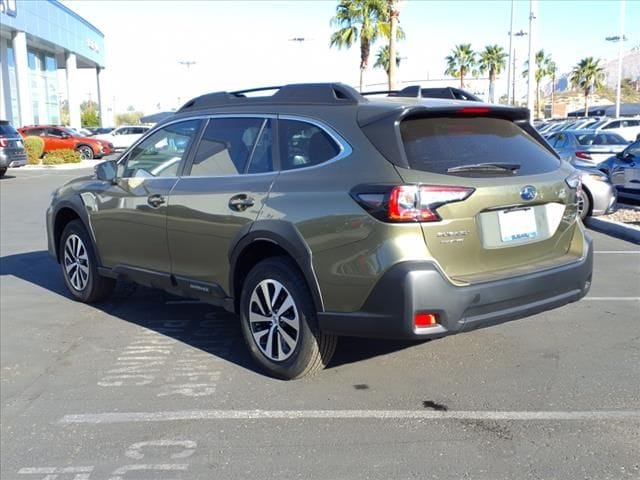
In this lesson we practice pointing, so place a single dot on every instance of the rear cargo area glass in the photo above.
(436, 144)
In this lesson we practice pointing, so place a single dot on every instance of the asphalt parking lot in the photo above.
(148, 385)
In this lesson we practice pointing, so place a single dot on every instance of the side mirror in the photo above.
(107, 171)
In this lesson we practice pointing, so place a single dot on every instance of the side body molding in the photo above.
(284, 235)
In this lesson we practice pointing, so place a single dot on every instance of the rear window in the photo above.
(438, 144)
(8, 131)
(601, 139)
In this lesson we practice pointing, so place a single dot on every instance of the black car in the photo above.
(12, 152)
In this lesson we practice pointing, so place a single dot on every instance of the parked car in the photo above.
(99, 130)
(316, 212)
(12, 152)
(123, 137)
(586, 148)
(628, 128)
(597, 195)
(58, 138)
(623, 170)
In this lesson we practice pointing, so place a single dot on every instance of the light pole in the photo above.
(188, 64)
(510, 55)
(619, 38)
(520, 34)
(533, 11)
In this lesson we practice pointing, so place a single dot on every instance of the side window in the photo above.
(53, 132)
(612, 125)
(303, 145)
(226, 146)
(561, 140)
(160, 154)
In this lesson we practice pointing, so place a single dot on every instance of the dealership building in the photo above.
(37, 39)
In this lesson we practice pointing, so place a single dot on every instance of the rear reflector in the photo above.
(425, 320)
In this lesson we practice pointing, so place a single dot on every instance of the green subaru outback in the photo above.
(317, 212)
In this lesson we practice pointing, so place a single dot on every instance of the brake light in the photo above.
(3, 142)
(408, 203)
(474, 110)
(583, 155)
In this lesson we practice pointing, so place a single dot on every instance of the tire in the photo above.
(3, 170)
(584, 204)
(288, 344)
(80, 266)
(85, 151)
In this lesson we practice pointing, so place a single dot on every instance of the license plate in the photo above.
(517, 224)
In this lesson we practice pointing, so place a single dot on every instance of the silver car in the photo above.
(623, 170)
(586, 148)
(598, 196)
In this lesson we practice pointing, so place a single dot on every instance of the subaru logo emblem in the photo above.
(528, 193)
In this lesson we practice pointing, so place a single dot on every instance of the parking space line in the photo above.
(632, 252)
(613, 299)
(127, 417)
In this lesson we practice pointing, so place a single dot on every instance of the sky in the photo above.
(243, 44)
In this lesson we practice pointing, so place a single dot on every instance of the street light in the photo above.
(619, 38)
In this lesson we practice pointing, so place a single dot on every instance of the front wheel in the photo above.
(80, 266)
(584, 204)
(279, 321)
(86, 153)
(3, 170)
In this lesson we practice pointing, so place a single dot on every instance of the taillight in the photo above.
(3, 142)
(408, 203)
(473, 110)
(583, 155)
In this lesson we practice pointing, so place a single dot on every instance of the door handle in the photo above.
(156, 200)
(241, 202)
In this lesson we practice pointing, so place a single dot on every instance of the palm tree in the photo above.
(365, 20)
(587, 75)
(382, 58)
(542, 70)
(493, 59)
(460, 62)
(552, 69)
(394, 18)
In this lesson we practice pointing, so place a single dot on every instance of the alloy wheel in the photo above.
(274, 320)
(76, 262)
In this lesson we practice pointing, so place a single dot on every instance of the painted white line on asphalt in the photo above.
(125, 417)
(631, 252)
(181, 302)
(613, 299)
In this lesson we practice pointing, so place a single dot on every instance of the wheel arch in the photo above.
(266, 239)
(72, 209)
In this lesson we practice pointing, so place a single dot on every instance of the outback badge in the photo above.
(528, 193)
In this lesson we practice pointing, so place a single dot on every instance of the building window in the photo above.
(14, 114)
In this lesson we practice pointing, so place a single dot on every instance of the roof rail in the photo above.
(302, 93)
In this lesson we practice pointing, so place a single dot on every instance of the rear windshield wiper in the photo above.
(486, 167)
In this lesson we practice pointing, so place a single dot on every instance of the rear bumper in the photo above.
(414, 287)
(12, 159)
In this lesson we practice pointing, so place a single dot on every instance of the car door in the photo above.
(625, 174)
(129, 217)
(222, 191)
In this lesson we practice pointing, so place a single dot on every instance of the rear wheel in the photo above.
(86, 153)
(584, 204)
(80, 267)
(279, 321)
(3, 170)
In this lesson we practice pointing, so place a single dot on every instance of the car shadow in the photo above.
(199, 325)
(7, 176)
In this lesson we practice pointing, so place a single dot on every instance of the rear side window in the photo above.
(227, 144)
(304, 145)
(8, 131)
(601, 139)
(438, 144)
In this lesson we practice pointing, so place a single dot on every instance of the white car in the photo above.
(124, 136)
(628, 128)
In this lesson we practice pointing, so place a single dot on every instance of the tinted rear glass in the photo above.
(437, 144)
(6, 130)
(600, 139)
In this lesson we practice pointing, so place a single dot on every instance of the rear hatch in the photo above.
(507, 208)
(10, 140)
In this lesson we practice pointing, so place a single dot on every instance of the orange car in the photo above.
(57, 138)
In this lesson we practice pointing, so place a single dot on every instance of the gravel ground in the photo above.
(628, 214)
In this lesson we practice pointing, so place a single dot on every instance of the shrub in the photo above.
(65, 155)
(34, 147)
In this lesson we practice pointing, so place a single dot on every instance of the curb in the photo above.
(615, 229)
(64, 166)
